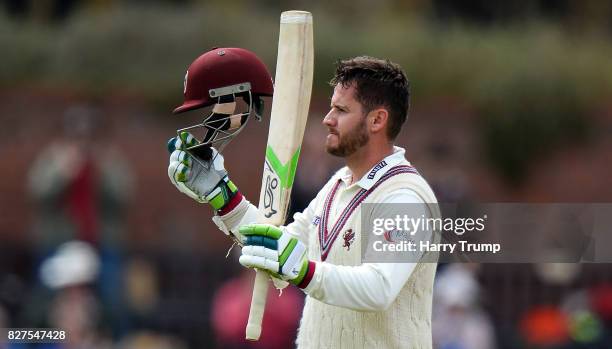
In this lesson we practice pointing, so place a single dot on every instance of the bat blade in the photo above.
(290, 103)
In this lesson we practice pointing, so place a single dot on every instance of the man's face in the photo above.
(346, 122)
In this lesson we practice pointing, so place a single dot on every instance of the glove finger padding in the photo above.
(205, 181)
(177, 171)
(259, 257)
(182, 142)
(218, 161)
(181, 156)
(271, 248)
(266, 253)
(181, 164)
(172, 169)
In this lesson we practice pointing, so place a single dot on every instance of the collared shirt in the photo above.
(377, 171)
(370, 286)
(367, 287)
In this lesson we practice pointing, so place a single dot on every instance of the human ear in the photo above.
(378, 120)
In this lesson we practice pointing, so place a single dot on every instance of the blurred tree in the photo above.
(529, 127)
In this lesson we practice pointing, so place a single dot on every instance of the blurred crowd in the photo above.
(84, 279)
(561, 312)
(81, 278)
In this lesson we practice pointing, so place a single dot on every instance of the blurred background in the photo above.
(512, 102)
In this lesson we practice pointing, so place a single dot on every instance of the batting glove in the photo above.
(270, 248)
(203, 181)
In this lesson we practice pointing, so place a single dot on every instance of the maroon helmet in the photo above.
(215, 79)
(219, 68)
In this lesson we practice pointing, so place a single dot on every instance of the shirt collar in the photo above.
(377, 171)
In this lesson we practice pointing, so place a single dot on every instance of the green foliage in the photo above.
(530, 126)
(136, 50)
(532, 85)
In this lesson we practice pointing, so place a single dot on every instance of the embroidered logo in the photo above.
(349, 237)
(316, 220)
(376, 169)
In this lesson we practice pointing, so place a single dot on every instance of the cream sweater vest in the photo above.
(407, 322)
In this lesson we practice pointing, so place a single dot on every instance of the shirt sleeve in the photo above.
(370, 286)
(243, 213)
(247, 213)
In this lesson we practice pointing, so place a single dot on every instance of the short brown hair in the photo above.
(378, 83)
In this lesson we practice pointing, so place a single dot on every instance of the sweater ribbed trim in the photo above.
(327, 237)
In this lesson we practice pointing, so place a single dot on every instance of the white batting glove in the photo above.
(203, 181)
(270, 248)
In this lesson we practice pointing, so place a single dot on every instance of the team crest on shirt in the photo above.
(316, 220)
(349, 237)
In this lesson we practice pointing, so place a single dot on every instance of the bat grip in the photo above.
(258, 305)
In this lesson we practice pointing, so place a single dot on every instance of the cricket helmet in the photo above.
(216, 79)
(223, 68)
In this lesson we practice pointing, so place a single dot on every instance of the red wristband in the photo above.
(234, 201)
(309, 274)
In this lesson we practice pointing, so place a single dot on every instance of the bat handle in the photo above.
(258, 305)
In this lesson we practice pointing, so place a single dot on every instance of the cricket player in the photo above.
(349, 304)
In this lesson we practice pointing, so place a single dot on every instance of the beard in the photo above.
(351, 142)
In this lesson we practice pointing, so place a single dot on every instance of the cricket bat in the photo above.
(290, 102)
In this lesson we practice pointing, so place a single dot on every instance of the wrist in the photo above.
(225, 196)
(306, 273)
(231, 204)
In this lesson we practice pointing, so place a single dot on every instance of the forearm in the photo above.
(241, 212)
(238, 212)
(368, 287)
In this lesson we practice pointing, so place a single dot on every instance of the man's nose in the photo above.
(329, 120)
